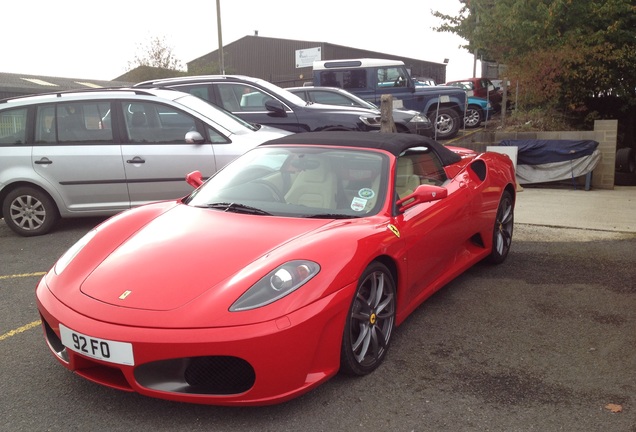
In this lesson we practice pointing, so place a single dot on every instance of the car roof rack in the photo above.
(79, 91)
(190, 79)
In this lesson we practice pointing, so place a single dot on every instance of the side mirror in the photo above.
(194, 179)
(194, 137)
(422, 194)
(275, 106)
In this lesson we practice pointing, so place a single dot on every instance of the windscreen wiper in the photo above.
(237, 208)
(331, 216)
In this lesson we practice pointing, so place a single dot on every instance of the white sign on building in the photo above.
(306, 57)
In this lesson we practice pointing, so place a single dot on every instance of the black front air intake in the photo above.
(209, 375)
(219, 375)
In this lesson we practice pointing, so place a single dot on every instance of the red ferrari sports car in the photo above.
(296, 261)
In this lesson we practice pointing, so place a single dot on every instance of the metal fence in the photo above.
(11, 124)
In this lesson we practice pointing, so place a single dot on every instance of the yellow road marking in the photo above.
(20, 330)
(464, 135)
(30, 325)
(23, 275)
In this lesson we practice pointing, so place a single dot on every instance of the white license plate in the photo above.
(101, 349)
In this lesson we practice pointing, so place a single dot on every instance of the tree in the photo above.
(211, 68)
(156, 54)
(563, 53)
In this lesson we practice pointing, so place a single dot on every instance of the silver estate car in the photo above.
(98, 152)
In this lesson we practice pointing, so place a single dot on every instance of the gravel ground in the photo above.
(526, 232)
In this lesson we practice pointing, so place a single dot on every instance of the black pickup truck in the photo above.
(371, 78)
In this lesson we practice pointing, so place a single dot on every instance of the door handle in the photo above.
(136, 160)
(464, 181)
(44, 161)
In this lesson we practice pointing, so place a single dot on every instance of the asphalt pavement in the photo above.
(543, 342)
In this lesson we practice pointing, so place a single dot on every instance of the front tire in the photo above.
(446, 123)
(474, 116)
(502, 232)
(370, 322)
(29, 211)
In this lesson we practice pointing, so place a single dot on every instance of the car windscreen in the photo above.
(303, 181)
(217, 115)
(289, 96)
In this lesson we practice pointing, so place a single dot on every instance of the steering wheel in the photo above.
(276, 194)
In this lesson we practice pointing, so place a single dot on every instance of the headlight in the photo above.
(68, 256)
(419, 118)
(276, 284)
(371, 121)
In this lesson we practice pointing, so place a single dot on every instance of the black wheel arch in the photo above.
(389, 263)
(433, 108)
(511, 189)
(13, 186)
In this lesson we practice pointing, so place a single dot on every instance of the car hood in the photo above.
(478, 101)
(340, 109)
(182, 253)
(444, 89)
(264, 133)
(404, 115)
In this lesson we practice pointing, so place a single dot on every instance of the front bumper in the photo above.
(258, 364)
(420, 128)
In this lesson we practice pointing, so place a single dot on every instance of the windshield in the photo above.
(217, 115)
(289, 96)
(303, 181)
(361, 102)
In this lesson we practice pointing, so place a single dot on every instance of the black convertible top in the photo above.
(395, 143)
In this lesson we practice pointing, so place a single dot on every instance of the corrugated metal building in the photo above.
(274, 60)
(271, 59)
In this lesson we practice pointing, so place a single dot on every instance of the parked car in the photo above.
(371, 78)
(96, 153)
(260, 102)
(480, 87)
(297, 260)
(406, 121)
(477, 111)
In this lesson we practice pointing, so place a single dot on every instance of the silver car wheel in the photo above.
(370, 321)
(473, 117)
(446, 121)
(502, 232)
(29, 211)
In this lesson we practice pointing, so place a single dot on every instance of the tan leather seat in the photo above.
(406, 181)
(315, 185)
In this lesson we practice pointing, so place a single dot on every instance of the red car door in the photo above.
(435, 233)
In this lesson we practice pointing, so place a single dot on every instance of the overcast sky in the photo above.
(97, 40)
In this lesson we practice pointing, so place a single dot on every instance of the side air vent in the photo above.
(479, 168)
